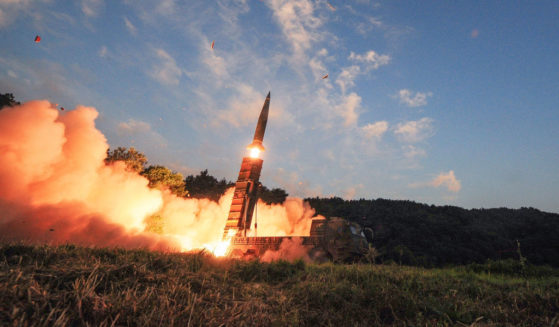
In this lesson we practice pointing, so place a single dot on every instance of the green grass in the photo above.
(69, 285)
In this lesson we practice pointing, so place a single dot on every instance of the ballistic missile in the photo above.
(261, 127)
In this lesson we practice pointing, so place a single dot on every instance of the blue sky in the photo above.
(438, 102)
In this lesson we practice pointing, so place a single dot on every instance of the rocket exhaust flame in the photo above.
(220, 248)
(254, 152)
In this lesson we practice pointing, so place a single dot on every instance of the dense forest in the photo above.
(412, 233)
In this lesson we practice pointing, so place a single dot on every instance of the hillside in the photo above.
(68, 285)
(432, 236)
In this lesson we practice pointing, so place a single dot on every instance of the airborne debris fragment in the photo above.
(325, 76)
(331, 7)
(37, 39)
(213, 43)
(62, 108)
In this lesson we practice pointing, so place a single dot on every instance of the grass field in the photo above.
(69, 285)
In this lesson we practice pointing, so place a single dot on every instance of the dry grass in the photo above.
(68, 285)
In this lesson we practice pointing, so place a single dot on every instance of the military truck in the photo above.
(333, 239)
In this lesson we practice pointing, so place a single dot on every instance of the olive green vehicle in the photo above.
(334, 239)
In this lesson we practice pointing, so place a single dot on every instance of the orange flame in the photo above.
(254, 152)
(219, 249)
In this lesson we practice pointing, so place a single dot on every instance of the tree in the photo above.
(7, 100)
(275, 195)
(163, 178)
(134, 160)
(205, 185)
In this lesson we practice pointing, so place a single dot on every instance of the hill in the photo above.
(426, 235)
(69, 285)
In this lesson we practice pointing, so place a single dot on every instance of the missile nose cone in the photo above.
(261, 125)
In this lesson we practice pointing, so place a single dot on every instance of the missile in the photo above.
(261, 127)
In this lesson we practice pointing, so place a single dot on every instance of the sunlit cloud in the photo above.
(346, 78)
(363, 64)
(475, 33)
(322, 52)
(298, 23)
(350, 192)
(294, 184)
(348, 109)
(447, 180)
(10, 10)
(130, 27)
(91, 8)
(137, 130)
(414, 131)
(371, 59)
(103, 51)
(166, 70)
(166, 6)
(368, 25)
(244, 107)
(412, 152)
(375, 131)
(216, 64)
(410, 99)
(134, 126)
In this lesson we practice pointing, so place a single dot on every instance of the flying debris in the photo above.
(37, 39)
(213, 43)
(331, 7)
(62, 108)
(325, 76)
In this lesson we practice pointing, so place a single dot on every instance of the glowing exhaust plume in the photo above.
(254, 152)
(220, 249)
(55, 188)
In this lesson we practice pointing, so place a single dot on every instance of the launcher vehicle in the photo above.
(333, 238)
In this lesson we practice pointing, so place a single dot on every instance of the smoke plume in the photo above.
(56, 188)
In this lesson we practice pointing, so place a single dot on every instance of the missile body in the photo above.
(244, 200)
(261, 126)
